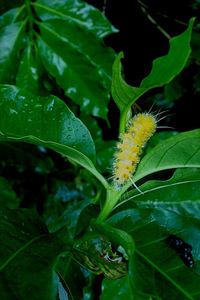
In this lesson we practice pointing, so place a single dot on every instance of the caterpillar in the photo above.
(129, 148)
(182, 248)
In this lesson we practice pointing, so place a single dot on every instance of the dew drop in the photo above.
(21, 97)
(13, 111)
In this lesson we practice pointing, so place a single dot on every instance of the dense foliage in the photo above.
(66, 231)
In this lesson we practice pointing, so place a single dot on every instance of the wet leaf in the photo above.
(44, 121)
(164, 208)
(62, 41)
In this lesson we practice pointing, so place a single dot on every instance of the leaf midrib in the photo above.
(141, 172)
(58, 13)
(164, 275)
(159, 188)
(162, 187)
(88, 58)
(78, 75)
(19, 251)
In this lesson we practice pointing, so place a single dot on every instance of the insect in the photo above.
(182, 248)
(139, 130)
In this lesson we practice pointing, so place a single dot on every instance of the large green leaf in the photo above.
(182, 187)
(180, 151)
(118, 289)
(164, 208)
(158, 271)
(27, 257)
(70, 271)
(61, 40)
(11, 41)
(164, 69)
(73, 276)
(45, 121)
(30, 71)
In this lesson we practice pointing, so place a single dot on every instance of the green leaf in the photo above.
(45, 118)
(123, 94)
(164, 69)
(183, 188)
(163, 208)
(78, 12)
(62, 41)
(27, 257)
(30, 71)
(118, 289)
(68, 61)
(11, 41)
(45, 121)
(158, 271)
(157, 138)
(72, 274)
(180, 151)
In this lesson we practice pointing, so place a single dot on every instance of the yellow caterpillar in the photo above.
(129, 148)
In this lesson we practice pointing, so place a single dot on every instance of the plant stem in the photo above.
(112, 197)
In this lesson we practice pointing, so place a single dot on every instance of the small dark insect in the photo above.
(178, 244)
(187, 259)
(182, 248)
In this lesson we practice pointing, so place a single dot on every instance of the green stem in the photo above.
(112, 197)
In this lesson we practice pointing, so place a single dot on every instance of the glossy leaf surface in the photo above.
(180, 151)
(61, 41)
(45, 121)
(116, 289)
(11, 41)
(183, 187)
(164, 208)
